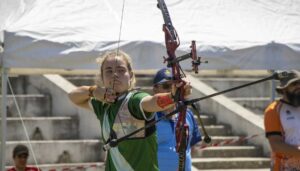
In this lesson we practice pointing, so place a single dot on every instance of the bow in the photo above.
(172, 42)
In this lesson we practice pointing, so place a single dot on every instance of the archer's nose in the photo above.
(115, 75)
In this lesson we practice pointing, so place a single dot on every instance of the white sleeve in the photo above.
(145, 117)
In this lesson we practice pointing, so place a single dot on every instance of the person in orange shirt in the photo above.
(20, 156)
(282, 125)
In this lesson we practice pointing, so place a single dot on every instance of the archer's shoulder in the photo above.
(273, 107)
(139, 94)
(138, 91)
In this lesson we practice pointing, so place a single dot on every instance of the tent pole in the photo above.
(3, 116)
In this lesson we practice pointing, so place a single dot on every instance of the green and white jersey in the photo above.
(137, 153)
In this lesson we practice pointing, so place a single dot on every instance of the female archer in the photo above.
(121, 110)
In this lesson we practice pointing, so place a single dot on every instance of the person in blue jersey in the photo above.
(167, 155)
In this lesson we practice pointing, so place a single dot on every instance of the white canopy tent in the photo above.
(70, 34)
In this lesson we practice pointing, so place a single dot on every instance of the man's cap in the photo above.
(163, 75)
(289, 79)
(20, 149)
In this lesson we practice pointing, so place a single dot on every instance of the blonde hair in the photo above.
(100, 60)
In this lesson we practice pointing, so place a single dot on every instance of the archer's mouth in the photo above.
(115, 82)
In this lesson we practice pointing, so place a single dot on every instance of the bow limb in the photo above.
(172, 42)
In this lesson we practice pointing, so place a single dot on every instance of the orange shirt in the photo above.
(283, 119)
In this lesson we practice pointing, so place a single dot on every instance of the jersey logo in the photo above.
(289, 115)
(290, 118)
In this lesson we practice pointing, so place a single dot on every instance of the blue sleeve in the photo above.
(195, 133)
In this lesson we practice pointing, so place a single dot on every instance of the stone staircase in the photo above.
(57, 144)
(54, 138)
(239, 155)
(255, 97)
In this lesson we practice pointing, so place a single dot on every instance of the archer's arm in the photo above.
(162, 101)
(279, 146)
(81, 95)
(158, 102)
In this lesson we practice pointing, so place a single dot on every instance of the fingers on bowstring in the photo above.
(188, 89)
(110, 95)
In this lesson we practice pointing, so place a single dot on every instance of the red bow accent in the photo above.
(172, 42)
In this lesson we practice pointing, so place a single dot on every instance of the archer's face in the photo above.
(292, 93)
(294, 87)
(165, 87)
(21, 161)
(116, 74)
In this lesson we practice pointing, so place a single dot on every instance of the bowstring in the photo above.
(23, 124)
(119, 40)
(115, 62)
(120, 29)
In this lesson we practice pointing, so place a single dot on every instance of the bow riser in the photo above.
(172, 42)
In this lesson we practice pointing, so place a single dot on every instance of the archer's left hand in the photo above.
(186, 86)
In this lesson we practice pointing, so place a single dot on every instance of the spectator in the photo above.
(167, 155)
(20, 156)
(282, 125)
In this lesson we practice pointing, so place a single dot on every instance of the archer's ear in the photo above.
(154, 90)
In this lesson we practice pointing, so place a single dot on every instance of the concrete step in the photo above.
(81, 80)
(257, 90)
(19, 84)
(218, 139)
(206, 119)
(231, 73)
(29, 105)
(255, 104)
(60, 151)
(100, 166)
(231, 163)
(42, 128)
(144, 81)
(216, 130)
(141, 80)
(228, 151)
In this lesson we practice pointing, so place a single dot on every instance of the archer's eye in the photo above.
(121, 70)
(108, 72)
